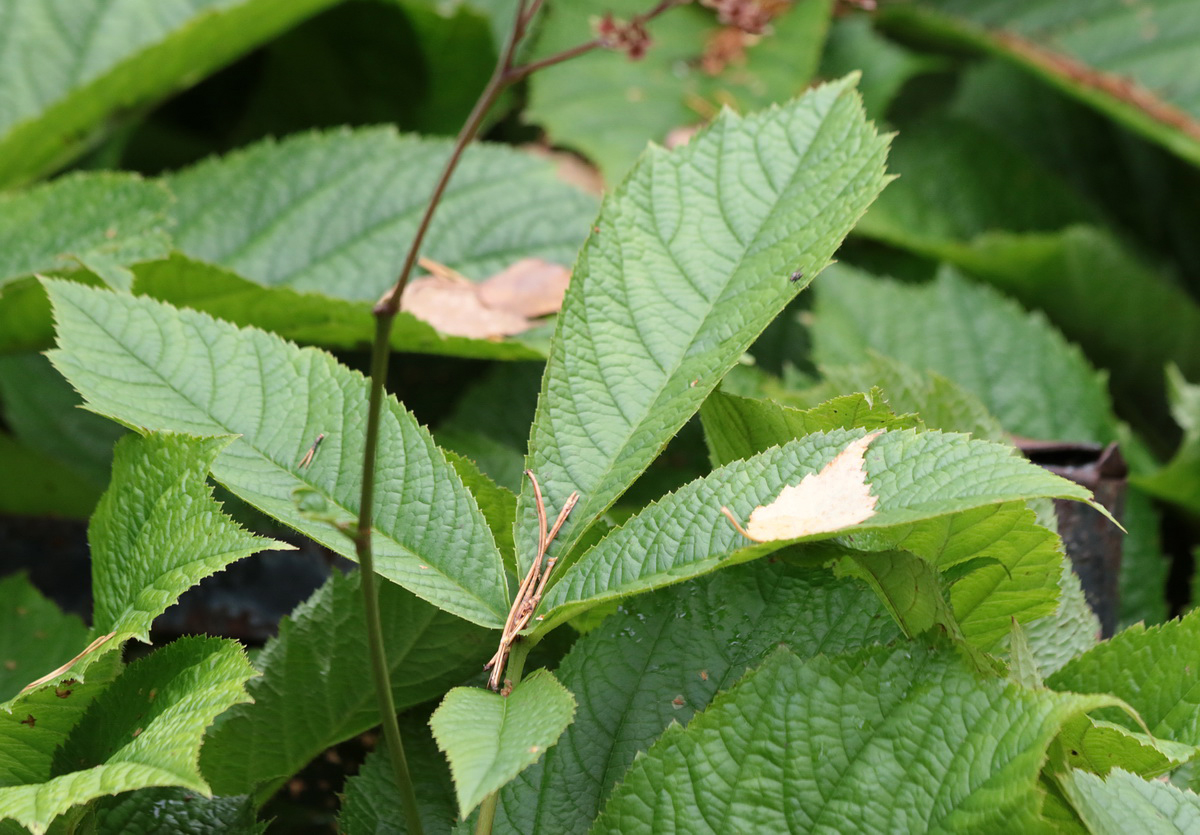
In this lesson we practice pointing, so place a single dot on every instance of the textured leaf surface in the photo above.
(148, 364)
(152, 811)
(1130, 61)
(315, 686)
(308, 317)
(83, 219)
(35, 636)
(891, 739)
(1154, 670)
(738, 427)
(664, 657)
(489, 738)
(1036, 383)
(335, 212)
(915, 476)
(608, 107)
(1098, 746)
(690, 259)
(144, 730)
(66, 65)
(372, 804)
(1069, 632)
(1124, 802)
(157, 532)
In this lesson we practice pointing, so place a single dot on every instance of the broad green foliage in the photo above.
(144, 729)
(892, 738)
(738, 427)
(1154, 670)
(314, 690)
(157, 532)
(686, 265)
(99, 221)
(1130, 61)
(664, 657)
(66, 65)
(151, 365)
(313, 318)
(608, 107)
(489, 738)
(885, 65)
(371, 803)
(177, 810)
(35, 636)
(1124, 802)
(334, 212)
(1036, 383)
(915, 476)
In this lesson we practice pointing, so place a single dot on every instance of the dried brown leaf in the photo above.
(453, 307)
(531, 287)
(835, 498)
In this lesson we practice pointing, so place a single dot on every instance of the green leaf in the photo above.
(498, 505)
(890, 739)
(372, 803)
(43, 486)
(158, 531)
(1179, 480)
(490, 739)
(145, 729)
(607, 106)
(738, 427)
(306, 317)
(151, 811)
(97, 219)
(1124, 802)
(1129, 62)
(151, 365)
(1035, 382)
(69, 64)
(277, 213)
(1154, 670)
(34, 634)
(314, 689)
(1070, 631)
(914, 476)
(42, 410)
(690, 259)
(1098, 746)
(909, 587)
(665, 656)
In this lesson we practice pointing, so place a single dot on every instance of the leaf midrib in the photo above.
(287, 470)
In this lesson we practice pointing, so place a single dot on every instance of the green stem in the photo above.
(370, 586)
(516, 666)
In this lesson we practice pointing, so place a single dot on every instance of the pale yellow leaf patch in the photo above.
(835, 498)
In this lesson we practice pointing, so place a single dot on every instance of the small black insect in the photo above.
(796, 276)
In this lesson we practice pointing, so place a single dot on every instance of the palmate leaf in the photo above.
(889, 739)
(150, 365)
(489, 738)
(144, 729)
(914, 476)
(334, 212)
(691, 258)
(661, 659)
(66, 65)
(1124, 803)
(313, 691)
(1129, 61)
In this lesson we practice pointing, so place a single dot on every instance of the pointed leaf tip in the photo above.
(835, 498)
